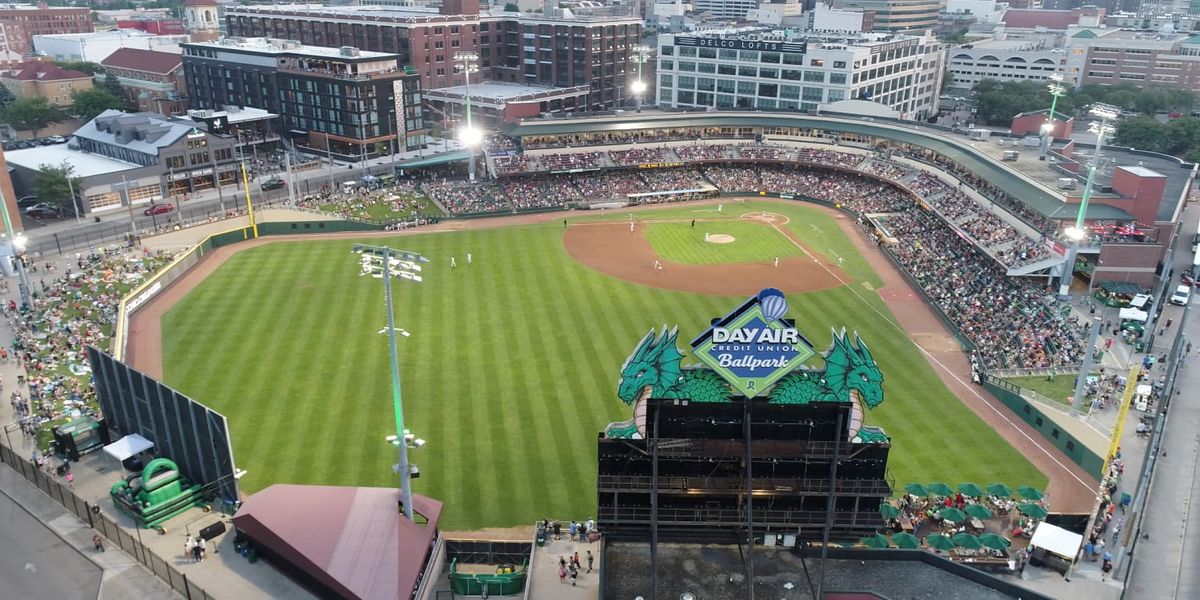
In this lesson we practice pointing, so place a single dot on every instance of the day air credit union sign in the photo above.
(733, 44)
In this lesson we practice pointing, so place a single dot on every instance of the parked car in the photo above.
(42, 211)
(1182, 295)
(27, 201)
(273, 184)
(158, 209)
(56, 139)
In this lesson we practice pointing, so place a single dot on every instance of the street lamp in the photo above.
(384, 263)
(1056, 90)
(467, 63)
(1077, 233)
(640, 55)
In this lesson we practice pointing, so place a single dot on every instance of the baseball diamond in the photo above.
(509, 371)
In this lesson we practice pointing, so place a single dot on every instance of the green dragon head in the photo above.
(850, 367)
(655, 363)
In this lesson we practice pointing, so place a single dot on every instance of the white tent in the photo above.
(1056, 540)
(127, 446)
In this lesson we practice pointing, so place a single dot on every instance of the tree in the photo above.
(90, 68)
(998, 102)
(6, 97)
(51, 186)
(31, 114)
(89, 103)
(1144, 133)
(511, 7)
(112, 86)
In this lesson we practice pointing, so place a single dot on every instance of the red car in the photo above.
(159, 209)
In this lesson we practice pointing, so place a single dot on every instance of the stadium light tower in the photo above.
(1077, 233)
(1057, 90)
(640, 55)
(469, 135)
(384, 263)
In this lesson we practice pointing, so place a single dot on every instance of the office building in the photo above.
(558, 47)
(341, 101)
(43, 79)
(20, 22)
(126, 159)
(95, 47)
(1002, 60)
(760, 68)
(1106, 57)
(898, 15)
(725, 9)
(152, 81)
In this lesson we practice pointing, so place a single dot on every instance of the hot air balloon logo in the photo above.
(773, 304)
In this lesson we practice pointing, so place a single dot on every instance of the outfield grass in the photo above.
(753, 242)
(510, 371)
(1060, 389)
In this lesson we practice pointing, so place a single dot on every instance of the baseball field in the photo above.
(512, 364)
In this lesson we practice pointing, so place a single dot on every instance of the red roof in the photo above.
(353, 540)
(1031, 18)
(41, 71)
(150, 61)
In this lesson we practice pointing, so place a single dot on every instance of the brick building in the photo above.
(153, 81)
(20, 22)
(39, 79)
(556, 47)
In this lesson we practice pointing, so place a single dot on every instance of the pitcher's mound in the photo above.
(720, 238)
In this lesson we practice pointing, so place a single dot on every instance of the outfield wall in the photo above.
(1075, 449)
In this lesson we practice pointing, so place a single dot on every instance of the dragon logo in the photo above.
(653, 370)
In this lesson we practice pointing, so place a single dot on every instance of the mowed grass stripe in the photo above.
(510, 371)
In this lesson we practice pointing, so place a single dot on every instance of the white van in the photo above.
(1182, 295)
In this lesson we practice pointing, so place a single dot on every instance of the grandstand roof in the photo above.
(436, 159)
(1037, 196)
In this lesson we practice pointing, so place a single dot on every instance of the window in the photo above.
(197, 143)
(726, 70)
(727, 86)
(223, 154)
(104, 200)
(812, 94)
(789, 91)
(768, 73)
(745, 88)
(837, 78)
(687, 82)
(665, 80)
(707, 68)
(816, 62)
(174, 162)
(839, 64)
(687, 97)
(728, 55)
(748, 56)
(707, 53)
(144, 192)
(667, 65)
(667, 51)
(687, 65)
(770, 57)
(705, 84)
(791, 75)
(687, 52)
(747, 71)
(793, 59)
(769, 90)
(198, 158)
(814, 76)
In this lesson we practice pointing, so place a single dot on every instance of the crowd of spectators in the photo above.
(637, 156)
(610, 185)
(462, 197)
(507, 164)
(71, 309)
(540, 192)
(566, 162)
(400, 201)
(702, 152)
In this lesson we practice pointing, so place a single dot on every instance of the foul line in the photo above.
(937, 362)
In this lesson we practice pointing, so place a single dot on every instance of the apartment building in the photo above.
(761, 68)
(20, 22)
(41, 79)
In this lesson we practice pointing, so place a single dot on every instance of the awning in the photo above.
(127, 446)
(1056, 540)
(1120, 287)
(437, 159)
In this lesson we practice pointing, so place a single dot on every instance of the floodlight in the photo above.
(1106, 112)
(470, 136)
(1075, 233)
(239, 473)
(1047, 128)
(638, 87)
(417, 443)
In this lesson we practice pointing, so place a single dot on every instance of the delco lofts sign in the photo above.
(736, 44)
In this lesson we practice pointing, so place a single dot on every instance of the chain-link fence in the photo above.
(90, 514)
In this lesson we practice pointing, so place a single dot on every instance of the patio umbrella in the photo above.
(951, 514)
(994, 541)
(905, 540)
(966, 540)
(875, 541)
(938, 488)
(888, 511)
(1033, 510)
(1030, 493)
(970, 489)
(978, 511)
(938, 541)
(916, 489)
(999, 489)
